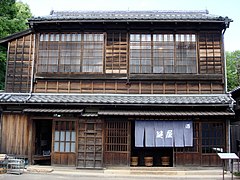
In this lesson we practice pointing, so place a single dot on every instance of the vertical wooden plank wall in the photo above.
(16, 136)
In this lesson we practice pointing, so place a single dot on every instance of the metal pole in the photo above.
(223, 167)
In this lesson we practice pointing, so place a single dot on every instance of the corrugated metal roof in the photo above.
(130, 16)
(44, 110)
(164, 113)
(116, 99)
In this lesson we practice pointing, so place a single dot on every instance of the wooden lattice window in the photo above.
(210, 53)
(64, 136)
(116, 53)
(75, 52)
(116, 136)
(213, 137)
(163, 53)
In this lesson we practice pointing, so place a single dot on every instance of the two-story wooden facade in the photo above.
(96, 88)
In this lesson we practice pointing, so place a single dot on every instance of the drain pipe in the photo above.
(225, 62)
(32, 70)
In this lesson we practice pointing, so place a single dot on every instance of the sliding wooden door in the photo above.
(117, 143)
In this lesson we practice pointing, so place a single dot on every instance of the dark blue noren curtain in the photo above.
(139, 133)
(188, 133)
(178, 133)
(159, 134)
(149, 134)
(168, 132)
(163, 133)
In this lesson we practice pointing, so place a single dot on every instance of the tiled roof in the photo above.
(48, 110)
(116, 99)
(164, 113)
(129, 16)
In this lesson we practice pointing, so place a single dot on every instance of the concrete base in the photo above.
(39, 169)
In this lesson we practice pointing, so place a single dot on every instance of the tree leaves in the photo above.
(233, 69)
(13, 18)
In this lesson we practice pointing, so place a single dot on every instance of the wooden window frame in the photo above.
(116, 53)
(160, 50)
(64, 127)
(215, 137)
(59, 50)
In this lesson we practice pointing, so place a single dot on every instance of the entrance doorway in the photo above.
(160, 156)
(43, 142)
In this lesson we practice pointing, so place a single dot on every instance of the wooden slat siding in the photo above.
(20, 56)
(210, 56)
(135, 87)
(15, 134)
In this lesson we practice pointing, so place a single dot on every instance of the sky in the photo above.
(230, 8)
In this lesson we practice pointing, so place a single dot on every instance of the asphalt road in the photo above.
(52, 176)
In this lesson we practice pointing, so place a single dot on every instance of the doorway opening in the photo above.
(159, 156)
(43, 142)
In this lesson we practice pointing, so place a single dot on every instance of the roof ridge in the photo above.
(130, 16)
(53, 12)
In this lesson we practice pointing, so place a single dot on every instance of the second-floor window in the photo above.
(163, 53)
(75, 52)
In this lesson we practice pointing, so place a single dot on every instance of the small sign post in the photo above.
(227, 156)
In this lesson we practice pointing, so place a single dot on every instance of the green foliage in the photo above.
(237, 173)
(233, 67)
(13, 18)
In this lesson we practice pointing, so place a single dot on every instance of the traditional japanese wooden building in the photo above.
(93, 89)
(235, 124)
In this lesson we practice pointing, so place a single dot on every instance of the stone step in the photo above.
(165, 171)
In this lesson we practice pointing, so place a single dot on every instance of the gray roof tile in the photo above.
(48, 110)
(115, 99)
(130, 16)
(163, 113)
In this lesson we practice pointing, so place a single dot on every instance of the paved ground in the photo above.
(56, 173)
(39, 176)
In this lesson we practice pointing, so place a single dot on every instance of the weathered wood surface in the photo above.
(209, 138)
(90, 143)
(16, 137)
(117, 143)
(115, 76)
(134, 87)
(19, 64)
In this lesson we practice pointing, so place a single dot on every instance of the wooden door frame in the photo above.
(127, 152)
(33, 120)
(98, 162)
(64, 119)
